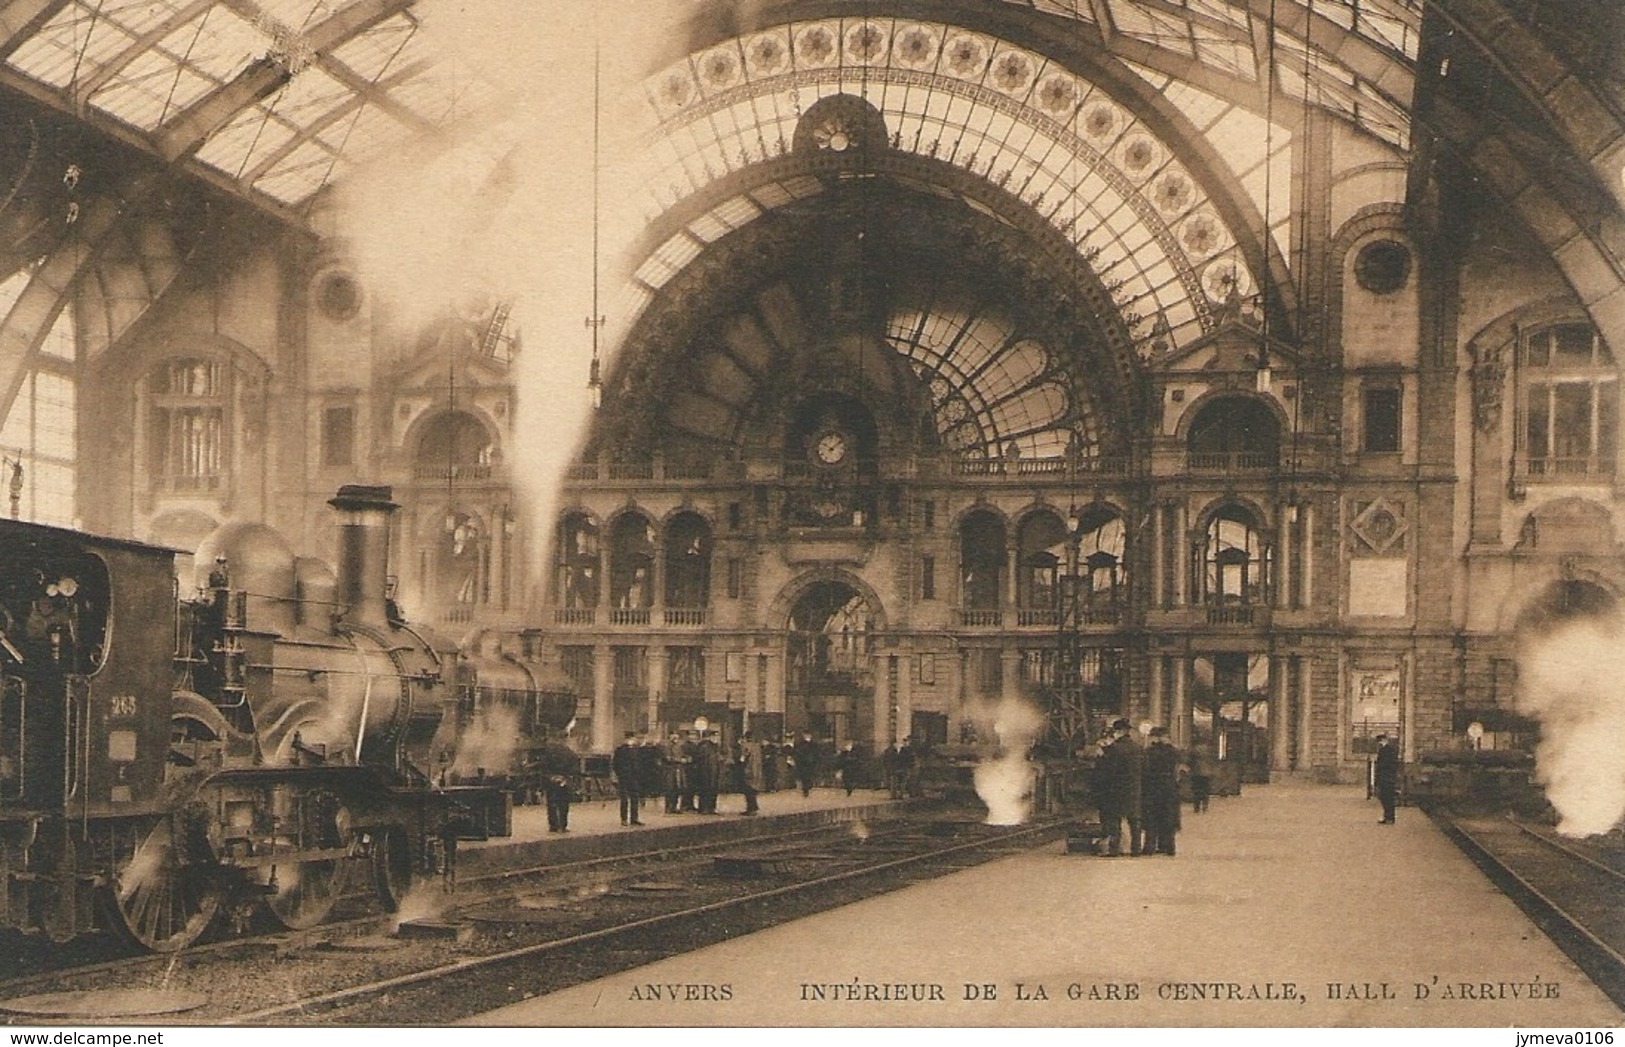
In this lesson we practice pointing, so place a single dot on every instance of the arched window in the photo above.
(981, 559)
(1235, 558)
(1569, 403)
(631, 563)
(39, 434)
(187, 429)
(1232, 432)
(1042, 543)
(579, 562)
(1101, 553)
(462, 565)
(688, 562)
(455, 445)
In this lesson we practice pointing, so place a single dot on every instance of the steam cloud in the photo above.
(1004, 778)
(489, 744)
(1572, 679)
(501, 208)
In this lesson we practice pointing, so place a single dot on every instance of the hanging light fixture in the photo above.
(595, 322)
(451, 434)
(1262, 377)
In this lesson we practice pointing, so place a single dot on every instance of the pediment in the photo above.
(430, 368)
(1231, 347)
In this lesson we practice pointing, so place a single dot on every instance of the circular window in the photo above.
(338, 296)
(1383, 266)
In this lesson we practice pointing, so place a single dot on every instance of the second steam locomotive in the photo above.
(164, 760)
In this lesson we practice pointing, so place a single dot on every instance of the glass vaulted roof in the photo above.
(280, 97)
(330, 82)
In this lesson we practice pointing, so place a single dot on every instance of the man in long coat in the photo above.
(1386, 775)
(806, 757)
(708, 772)
(1118, 778)
(749, 770)
(1161, 794)
(674, 764)
(628, 784)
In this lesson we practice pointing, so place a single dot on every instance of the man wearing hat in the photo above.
(1386, 776)
(1161, 790)
(628, 783)
(1118, 787)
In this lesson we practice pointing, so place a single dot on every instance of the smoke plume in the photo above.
(488, 744)
(501, 206)
(1004, 777)
(1571, 678)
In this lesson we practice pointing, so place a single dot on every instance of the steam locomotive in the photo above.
(164, 760)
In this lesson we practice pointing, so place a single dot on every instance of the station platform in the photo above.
(1286, 906)
(595, 829)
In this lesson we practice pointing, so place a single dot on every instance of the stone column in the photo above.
(1010, 676)
(1305, 691)
(603, 699)
(1012, 558)
(902, 701)
(775, 680)
(1154, 693)
(882, 697)
(1280, 710)
(657, 683)
(1182, 556)
(1179, 727)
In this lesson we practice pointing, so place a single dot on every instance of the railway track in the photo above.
(1576, 897)
(51, 967)
(506, 945)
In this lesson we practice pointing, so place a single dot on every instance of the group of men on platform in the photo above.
(689, 770)
(1140, 786)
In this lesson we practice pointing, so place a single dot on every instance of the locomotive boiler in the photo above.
(259, 747)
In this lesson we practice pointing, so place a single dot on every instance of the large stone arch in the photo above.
(778, 611)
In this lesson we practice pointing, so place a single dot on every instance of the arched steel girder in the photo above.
(1590, 252)
(140, 262)
(25, 327)
(1579, 224)
(1062, 41)
(19, 19)
(178, 138)
(1388, 74)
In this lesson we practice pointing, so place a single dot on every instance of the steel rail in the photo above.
(481, 964)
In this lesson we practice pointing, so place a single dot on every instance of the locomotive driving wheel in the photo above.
(391, 866)
(164, 893)
(306, 888)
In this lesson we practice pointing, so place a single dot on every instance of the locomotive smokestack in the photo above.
(364, 513)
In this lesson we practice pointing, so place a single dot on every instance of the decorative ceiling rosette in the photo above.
(720, 68)
(1203, 235)
(1058, 95)
(967, 57)
(1225, 278)
(1101, 120)
(866, 43)
(1173, 191)
(1012, 72)
(916, 47)
(767, 54)
(815, 46)
(1140, 155)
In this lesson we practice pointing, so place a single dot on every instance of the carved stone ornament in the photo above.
(1379, 526)
(1489, 385)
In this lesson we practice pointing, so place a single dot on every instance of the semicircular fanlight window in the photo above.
(993, 391)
